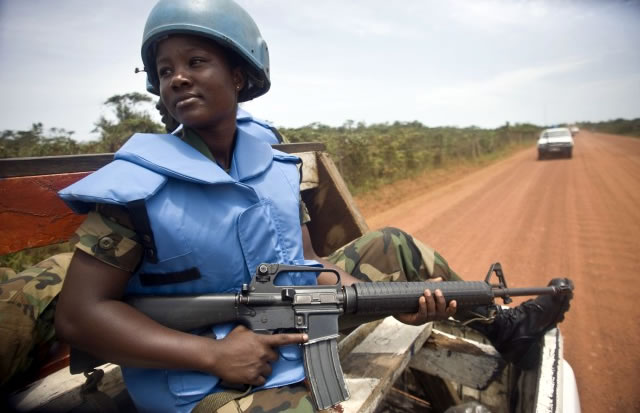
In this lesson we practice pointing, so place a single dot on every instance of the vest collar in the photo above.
(243, 115)
(171, 156)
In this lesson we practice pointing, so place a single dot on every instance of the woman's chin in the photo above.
(190, 120)
(200, 120)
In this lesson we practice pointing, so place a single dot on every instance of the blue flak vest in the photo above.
(210, 230)
(257, 127)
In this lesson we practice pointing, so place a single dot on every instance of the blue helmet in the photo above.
(222, 21)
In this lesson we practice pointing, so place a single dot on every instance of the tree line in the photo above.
(367, 155)
(628, 127)
(129, 115)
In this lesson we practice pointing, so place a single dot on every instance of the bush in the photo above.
(369, 156)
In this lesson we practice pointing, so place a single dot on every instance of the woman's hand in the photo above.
(244, 356)
(431, 307)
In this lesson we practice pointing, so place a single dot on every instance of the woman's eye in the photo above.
(163, 71)
(196, 61)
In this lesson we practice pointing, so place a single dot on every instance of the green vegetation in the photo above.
(37, 142)
(628, 127)
(370, 156)
(129, 117)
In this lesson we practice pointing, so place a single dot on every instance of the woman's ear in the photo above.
(239, 78)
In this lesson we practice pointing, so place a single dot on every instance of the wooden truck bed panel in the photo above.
(32, 215)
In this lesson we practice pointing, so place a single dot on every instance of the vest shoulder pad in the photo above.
(259, 128)
(285, 157)
(119, 182)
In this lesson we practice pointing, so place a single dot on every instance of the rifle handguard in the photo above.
(394, 297)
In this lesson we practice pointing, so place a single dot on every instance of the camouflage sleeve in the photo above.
(106, 234)
(390, 254)
(27, 307)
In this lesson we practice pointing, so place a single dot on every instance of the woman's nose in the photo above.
(180, 79)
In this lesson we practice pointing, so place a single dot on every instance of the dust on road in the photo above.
(575, 217)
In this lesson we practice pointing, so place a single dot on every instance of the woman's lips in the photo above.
(186, 101)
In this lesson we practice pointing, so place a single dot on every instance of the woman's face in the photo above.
(197, 85)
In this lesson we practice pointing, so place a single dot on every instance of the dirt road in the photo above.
(575, 217)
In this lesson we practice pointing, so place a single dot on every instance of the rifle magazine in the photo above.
(322, 366)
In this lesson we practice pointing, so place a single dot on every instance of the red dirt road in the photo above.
(575, 217)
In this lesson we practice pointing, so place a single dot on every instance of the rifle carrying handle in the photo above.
(323, 370)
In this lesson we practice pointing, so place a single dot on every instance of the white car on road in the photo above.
(555, 141)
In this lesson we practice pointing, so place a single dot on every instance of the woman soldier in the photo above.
(190, 214)
(195, 213)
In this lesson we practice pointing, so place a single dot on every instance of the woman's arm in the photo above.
(91, 316)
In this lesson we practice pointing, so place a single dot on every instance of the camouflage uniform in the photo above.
(27, 306)
(286, 399)
(390, 254)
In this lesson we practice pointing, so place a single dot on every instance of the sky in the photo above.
(443, 63)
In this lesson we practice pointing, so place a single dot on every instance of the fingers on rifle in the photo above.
(422, 308)
(452, 307)
(240, 328)
(266, 371)
(284, 339)
(271, 354)
(431, 304)
(441, 304)
(259, 381)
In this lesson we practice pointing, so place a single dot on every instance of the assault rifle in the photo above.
(321, 311)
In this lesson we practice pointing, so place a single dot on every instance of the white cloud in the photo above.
(496, 14)
(502, 84)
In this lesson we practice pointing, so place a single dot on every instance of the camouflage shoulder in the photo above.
(110, 242)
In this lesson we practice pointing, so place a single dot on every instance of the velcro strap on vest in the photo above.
(155, 279)
(140, 220)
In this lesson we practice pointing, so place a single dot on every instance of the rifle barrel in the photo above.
(516, 292)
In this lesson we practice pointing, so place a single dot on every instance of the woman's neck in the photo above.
(220, 141)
